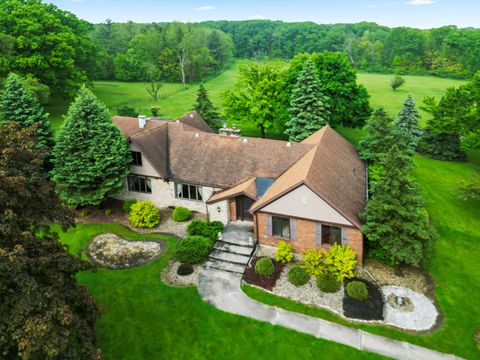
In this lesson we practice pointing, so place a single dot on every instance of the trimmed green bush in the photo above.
(357, 290)
(181, 214)
(196, 227)
(328, 283)
(107, 212)
(264, 267)
(127, 205)
(298, 276)
(216, 225)
(202, 228)
(144, 214)
(193, 250)
(184, 269)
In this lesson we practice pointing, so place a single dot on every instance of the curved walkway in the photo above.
(222, 290)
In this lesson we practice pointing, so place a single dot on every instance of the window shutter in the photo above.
(318, 234)
(293, 229)
(344, 236)
(268, 229)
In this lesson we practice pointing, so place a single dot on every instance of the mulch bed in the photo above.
(96, 214)
(371, 309)
(251, 277)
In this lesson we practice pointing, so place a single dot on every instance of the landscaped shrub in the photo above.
(264, 267)
(202, 228)
(328, 283)
(297, 275)
(144, 214)
(340, 261)
(84, 213)
(127, 205)
(181, 214)
(284, 252)
(313, 262)
(107, 212)
(184, 269)
(357, 290)
(193, 250)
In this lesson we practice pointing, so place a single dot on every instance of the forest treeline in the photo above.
(57, 52)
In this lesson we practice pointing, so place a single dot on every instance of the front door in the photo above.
(243, 205)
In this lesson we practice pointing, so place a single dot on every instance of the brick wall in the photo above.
(305, 236)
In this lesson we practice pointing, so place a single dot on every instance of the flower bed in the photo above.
(251, 277)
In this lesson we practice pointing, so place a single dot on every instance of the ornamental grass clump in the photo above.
(144, 214)
(181, 214)
(264, 267)
(357, 290)
(284, 252)
(298, 276)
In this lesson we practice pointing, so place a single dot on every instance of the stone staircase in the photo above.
(233, 251)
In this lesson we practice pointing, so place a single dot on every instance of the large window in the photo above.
(136, 158)
(281, 227)
(139, 184)
(331, 235)
(190, 192)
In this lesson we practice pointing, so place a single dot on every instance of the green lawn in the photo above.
(142, 318)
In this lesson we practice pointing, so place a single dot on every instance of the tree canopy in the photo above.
(91, 156)
(347, 100)
(45, 313)
(379, 136)
(205, 107)
(308, 112)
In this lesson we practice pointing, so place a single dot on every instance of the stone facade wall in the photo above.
(306, 236)
(163, 195)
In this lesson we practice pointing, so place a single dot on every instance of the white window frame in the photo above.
(189, 192)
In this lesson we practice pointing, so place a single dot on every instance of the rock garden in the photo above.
(331, 280)
(113, 252)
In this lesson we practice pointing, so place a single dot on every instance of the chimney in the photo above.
(226, 131)
(142, 121)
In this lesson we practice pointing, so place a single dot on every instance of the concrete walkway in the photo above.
(222, 290)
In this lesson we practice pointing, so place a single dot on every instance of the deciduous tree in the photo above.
(308, 112)
(91, 156)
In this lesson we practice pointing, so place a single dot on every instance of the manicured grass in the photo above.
(142, 318)
(453, 262)
(381, 94)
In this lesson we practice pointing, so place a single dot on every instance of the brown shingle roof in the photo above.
(194, 120)
(247, 188)
(332, 169)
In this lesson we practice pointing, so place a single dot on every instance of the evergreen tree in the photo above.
(308, 111)
(204, 107)
(379, 136)
(18, 104)
(45, 314)
(407, 122)
(91, 156)
(397, 225)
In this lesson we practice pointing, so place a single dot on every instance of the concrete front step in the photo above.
(225, 266)
(229, 257)
(237, 241)
(233, 248)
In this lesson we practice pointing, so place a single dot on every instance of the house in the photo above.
(309, 194)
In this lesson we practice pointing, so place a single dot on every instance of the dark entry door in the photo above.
(243, 205)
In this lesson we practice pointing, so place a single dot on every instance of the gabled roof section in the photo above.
(194, 120)
(247, 188)
(332, 169)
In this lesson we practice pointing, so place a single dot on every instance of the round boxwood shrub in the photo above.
(328, 283)
(264, 267)
(216, 225)
(298, 276)
(184, 269)
(357, 290)
(144, 214)
(181, 214)
(196, 227)
(127, 204)
(193, 250)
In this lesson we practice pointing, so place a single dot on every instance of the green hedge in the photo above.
(357, 290)
(144, 214)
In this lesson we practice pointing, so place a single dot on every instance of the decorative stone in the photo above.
(113, 252)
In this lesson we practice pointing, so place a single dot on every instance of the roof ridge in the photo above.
(146, 131)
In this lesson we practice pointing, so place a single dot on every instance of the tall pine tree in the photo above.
(204, 107)
(45, 314)
(308, 110)
(379, 136)
(407, 122)
(18, 104)
(397, 225)
(91, 156)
